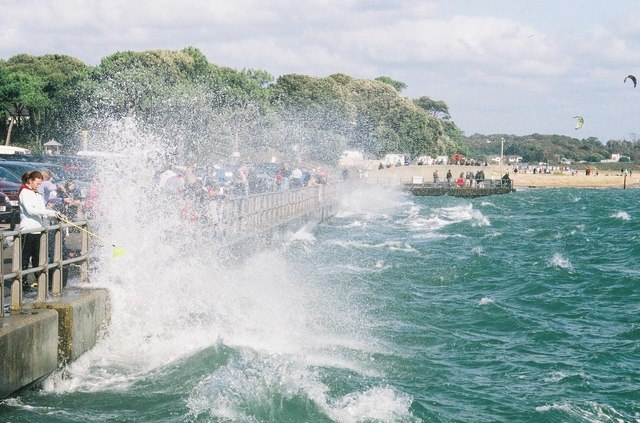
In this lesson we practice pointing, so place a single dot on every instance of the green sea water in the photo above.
(514, 308)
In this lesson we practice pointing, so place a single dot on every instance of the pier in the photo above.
(43, 330)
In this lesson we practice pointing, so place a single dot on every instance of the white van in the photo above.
(9, 149)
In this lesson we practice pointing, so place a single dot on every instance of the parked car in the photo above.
(8, 175)
(9, 208)
(78, 168)
(19, 168)
(60, 175)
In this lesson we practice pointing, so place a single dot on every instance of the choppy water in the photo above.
(521, 307)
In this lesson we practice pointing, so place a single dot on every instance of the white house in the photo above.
(615, 157)
(351, 158)
(394, 159)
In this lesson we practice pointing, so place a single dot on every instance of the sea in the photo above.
(522, 307)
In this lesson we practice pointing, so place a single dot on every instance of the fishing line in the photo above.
(117, 250)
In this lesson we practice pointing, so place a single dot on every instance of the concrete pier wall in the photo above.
(28, 349)
(43, 336)
(81, 315)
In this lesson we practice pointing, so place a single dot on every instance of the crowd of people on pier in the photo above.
(207, 195)
(204, 195)
(470, 179)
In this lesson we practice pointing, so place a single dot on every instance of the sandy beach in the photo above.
(605, 179)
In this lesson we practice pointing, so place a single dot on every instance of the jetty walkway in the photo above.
(57, 322)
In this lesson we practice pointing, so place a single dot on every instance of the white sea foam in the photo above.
(555, 377)
(355, 224)
(465, 213)
(621, 215)
(435, 235)
(589, 411)
(414, 210)
(376, 404)
(442, 217)
(558, 260)
(477, 251)
(371, 202)
(354, 269)
(486, 300)
(304, 234)
(390, 245)
(431, 223)
(250, 382)
(380, 265)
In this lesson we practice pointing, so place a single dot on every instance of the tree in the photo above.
(23, 99)
(398, 85)
(435, 108)
(315, 111)
(54, 77)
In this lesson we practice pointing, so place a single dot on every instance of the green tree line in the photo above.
(552, 149)
(200, 109)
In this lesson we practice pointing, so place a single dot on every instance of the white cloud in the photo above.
(461, 52)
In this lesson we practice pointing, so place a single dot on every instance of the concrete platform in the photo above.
(43, 336)
(28, 348)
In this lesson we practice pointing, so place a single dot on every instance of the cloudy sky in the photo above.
(502, 66)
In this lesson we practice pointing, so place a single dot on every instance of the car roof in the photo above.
(19, 168)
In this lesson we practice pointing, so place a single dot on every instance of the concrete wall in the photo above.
(81, 315)
(28, 348)
(43, 336)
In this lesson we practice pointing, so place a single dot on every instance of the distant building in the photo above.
(351, 158)
(615, 157)
(507, 159)
(394, 159)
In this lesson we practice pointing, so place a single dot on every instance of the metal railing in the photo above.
(253, 213)
(52, 262)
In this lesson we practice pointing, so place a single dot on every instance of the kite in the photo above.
(632, 78)
(579, 121)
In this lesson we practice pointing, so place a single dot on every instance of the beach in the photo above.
(604, 179)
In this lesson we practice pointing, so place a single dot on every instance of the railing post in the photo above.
(84, 251)
(56, 273)
(16, 267)
(43, 260)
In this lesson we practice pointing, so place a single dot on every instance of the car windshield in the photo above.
(19, 168)
(7, 175)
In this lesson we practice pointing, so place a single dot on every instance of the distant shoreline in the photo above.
(605, 179)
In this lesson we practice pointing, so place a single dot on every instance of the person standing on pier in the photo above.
(32, 214)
